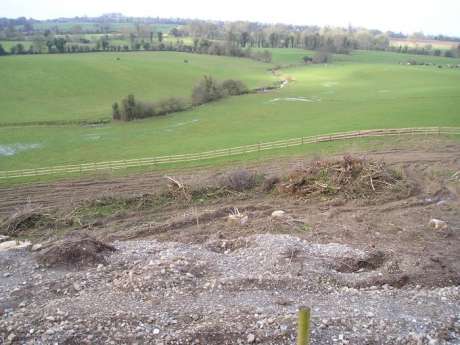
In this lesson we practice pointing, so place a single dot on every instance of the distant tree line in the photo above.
(60, 45)
(13, 28)
(208, 37)
(206, 90)
(426, 50)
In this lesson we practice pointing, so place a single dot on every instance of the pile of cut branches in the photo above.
(26, 218)
(178, 191)
(350, 176)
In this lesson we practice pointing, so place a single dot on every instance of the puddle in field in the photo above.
(11, 150)
(95, 125)
(296, 99)
(283, 84)
(91, 136)
(330, 84)
(179, 124)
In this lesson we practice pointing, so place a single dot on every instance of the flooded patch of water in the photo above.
(91, 136)
(12, 149)
(179, 124)
(330, 84)
(296, 99)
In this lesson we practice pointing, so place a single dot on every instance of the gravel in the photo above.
(244, 291)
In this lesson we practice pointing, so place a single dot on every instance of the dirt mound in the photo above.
(370, 261)
(24, 219)
(352, 177)
(76, 249)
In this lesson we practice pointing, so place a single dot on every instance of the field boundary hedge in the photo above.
(227, 152)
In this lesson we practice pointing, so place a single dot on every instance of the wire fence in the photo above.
(227, 152)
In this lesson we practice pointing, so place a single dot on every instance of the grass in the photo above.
(435, 44)
(311, 151)
(284, 57)
(362, 91)
(7, 45)
(375, 57)
(84, 86)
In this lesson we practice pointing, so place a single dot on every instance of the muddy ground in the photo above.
(372, 269)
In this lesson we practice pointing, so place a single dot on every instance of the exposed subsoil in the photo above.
(372, 269)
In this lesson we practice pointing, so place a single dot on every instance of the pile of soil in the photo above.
(352, 177)
(76, 249)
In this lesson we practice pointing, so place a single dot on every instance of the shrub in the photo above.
(240, 180)
(143, 110)
(270, 183)
(234, 87)
(170, 105)
(307, 59)
(449, 53)
(132, 109)
(207, 90)
(128, 108)
(116, 111)
(264, 56)
(321, 57)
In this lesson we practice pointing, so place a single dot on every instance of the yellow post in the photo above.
(303, 327)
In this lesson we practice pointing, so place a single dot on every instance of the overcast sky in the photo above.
(429, 16)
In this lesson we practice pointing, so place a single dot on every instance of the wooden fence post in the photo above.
(303, 327)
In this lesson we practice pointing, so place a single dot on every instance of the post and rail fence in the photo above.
(226, 152)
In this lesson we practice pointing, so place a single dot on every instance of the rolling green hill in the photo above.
(360, 91)
(62, 87)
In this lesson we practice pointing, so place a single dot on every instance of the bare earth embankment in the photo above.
(208, 260)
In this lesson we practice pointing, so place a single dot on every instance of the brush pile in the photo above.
(177, 190)
(352, 177)
(24, 219)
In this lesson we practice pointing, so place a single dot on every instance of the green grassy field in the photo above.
(435, 44)
(361, 91)
(84, 86)
(391, 58)
(7, 45)
(285, 57)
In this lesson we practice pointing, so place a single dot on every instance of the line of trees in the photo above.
(131, 109)
(206, 90)
(210, 37)
(426, 50)
(247, 34)
(200, 46)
